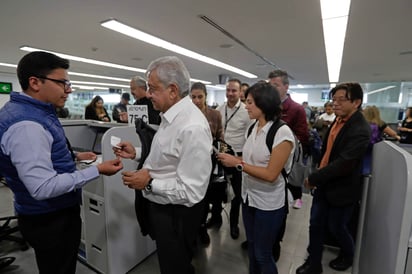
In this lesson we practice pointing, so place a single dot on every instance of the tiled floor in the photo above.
(222, 256)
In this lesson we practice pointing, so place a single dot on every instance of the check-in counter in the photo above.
(111, 239)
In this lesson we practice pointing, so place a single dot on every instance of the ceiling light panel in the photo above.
(153, 40)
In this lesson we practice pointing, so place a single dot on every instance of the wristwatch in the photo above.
(148, 187)
(239, 167)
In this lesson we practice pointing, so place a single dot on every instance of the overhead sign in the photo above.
(6, 87)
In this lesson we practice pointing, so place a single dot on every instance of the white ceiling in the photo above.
(287, 33)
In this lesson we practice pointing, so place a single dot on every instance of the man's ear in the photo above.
(34, 84)
(174, 91)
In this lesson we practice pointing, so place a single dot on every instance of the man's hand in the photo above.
(123, 116)
(136, 179)
(86, 156)
(126, 150)
(110, 167)
(307, 184)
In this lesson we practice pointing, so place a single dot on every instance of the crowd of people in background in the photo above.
(248, 144)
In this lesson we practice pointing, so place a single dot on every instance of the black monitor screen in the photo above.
(97, 145)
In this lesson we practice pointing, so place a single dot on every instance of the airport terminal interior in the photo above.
(219, 40)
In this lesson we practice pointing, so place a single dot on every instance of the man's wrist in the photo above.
(148, 187)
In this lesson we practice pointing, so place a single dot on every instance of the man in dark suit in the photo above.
(336, 184)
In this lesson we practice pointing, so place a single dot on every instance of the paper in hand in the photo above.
(114, 141)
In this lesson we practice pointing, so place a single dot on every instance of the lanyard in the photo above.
(231, 116)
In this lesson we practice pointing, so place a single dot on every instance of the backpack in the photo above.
(297, 155)
(315, 145)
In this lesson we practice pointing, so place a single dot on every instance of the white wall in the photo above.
(10, 78)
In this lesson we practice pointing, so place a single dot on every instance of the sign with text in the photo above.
(137, 111)
(6, 87)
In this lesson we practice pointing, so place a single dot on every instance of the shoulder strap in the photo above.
(249, 131)
(270, 137)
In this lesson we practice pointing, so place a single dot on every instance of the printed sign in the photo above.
(137, 111)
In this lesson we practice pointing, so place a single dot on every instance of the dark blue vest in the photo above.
(24, 108)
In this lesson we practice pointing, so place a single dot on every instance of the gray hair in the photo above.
(171, 70)
(140, 82)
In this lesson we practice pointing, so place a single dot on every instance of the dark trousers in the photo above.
(325, 216)
(295, 190)
(262, 228)
(236, 182)
(175, 229)
(55, 238)
(215, 195)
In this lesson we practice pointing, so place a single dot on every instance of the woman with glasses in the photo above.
(96, 111)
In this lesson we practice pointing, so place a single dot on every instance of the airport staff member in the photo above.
(38, 165)
(119, 113)
(176, 173)
(337, 182)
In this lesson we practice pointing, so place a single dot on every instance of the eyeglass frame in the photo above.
(340, 99)
(66, 83)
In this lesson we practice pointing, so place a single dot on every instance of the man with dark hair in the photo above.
(138, 88)
(336, 185)
(235, 120)
(294, 115)
(121, 108)
(39, 167)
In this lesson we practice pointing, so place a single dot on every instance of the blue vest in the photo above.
(25, 108)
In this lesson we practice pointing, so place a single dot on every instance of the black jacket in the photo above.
(340, 179)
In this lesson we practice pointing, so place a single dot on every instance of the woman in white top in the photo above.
(263, 186)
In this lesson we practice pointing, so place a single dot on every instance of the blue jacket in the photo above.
(24, 108)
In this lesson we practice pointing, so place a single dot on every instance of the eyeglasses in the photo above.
(340, 99)
(66, 83)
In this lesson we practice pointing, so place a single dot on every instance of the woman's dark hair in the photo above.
(353, 92)
(94, 101)
(267, 99)
(199, 85)
(38, 64)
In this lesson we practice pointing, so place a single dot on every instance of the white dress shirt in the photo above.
(235, 122)
(262, 194)
(180, 156)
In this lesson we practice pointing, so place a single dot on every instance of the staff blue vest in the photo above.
(25, 108)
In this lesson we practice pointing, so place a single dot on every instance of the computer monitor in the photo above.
(97, 144)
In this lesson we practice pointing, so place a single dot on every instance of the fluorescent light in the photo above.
(334, 19)
(85, 60)
(98, 83)
(201, 81)
(150, 39)
(98, 76)
(8, 65)
(95, 62)
(380, 89)
(90, 87)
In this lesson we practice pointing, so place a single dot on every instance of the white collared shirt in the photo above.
(262, 194)
(235, 125)
(180, 156)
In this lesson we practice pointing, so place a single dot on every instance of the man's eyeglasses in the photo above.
(66, 84)
(340, 99)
